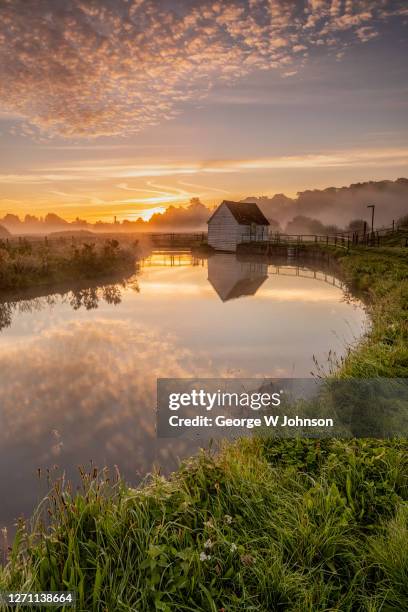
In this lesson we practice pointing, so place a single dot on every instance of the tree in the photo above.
(356, 225)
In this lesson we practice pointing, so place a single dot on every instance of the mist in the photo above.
(312, 211)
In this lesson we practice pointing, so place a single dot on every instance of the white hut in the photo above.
(236, 222)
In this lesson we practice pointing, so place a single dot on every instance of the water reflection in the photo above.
(78, 368)
(232, 278)
(88, 298)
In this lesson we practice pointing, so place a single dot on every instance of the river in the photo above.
(78, 370)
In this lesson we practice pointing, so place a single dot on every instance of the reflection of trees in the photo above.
(112, 294)
(88, 298)
(6, 315)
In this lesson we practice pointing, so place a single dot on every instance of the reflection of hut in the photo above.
(231, 278)
(235, 222)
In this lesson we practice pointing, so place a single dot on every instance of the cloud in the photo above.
(99, 68)
(82, 391)
(125, 170)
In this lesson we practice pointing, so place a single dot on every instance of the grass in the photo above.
(264, 524)
(381, 274)
(26, 263)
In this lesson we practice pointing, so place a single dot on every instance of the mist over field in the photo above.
(338, 206)
(314, 211)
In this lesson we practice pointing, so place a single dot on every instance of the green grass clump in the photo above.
(262, 525)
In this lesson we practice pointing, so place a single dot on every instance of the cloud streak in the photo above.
(102, 68)
(100, 172)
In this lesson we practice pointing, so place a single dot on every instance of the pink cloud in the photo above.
(100, 68)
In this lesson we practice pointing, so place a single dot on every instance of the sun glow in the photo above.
(144, 213)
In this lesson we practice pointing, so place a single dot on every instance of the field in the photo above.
(296, 525)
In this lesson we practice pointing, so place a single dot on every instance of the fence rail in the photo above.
(299, 239)
(343, 239)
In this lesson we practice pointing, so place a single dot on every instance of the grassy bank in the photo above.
(262, 525)
(26, 263)
(381, 275)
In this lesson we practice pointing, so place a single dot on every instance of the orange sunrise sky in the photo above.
(124, 107)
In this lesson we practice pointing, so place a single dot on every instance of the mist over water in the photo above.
(78, 371)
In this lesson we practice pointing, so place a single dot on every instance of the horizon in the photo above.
(27, 218)
(126, 108)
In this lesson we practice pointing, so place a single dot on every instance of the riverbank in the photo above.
(381, 274)
(261, 525)
(27, 264)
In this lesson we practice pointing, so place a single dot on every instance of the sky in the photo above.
(124, 107)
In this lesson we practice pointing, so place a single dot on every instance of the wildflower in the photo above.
(208, 544)
(209, 524)
(233, 547)
(228, 519)
(204, 557)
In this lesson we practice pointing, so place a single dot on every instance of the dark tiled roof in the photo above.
(245, 213)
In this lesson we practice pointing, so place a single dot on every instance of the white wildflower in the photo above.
(228, 519)
(208, 544)
(204, 556)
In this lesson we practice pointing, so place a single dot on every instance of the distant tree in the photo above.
(80, 222)
(356, 225)
(307, 225)
(4, 232)
(12, 221)
(403, 221)
(31, 220)
(53, 219)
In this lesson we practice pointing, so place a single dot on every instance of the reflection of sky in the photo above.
(79, 385)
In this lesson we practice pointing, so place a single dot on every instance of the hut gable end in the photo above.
(232, 222)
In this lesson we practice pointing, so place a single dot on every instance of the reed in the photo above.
(45, 262)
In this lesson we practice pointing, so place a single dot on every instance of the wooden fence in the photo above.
(343, 239)
(338, 240)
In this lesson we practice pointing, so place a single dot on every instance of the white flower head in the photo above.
(208, 544)
(204, 557)
(228, 519)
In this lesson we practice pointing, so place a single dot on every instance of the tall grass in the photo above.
(382, 275)
(25, 264)
(296, 525)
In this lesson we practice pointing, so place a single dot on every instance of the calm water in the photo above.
(78, 371)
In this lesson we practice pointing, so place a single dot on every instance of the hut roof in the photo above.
(245, 213)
